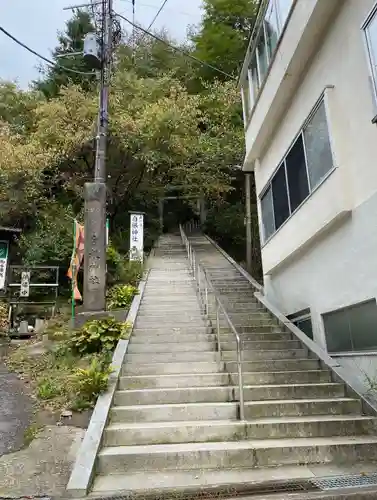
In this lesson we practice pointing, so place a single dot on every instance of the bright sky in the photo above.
(36, 22)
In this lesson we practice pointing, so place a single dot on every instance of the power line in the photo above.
(178, 49)
(52, 63)
(157, 14)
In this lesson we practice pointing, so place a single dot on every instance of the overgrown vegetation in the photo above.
(98, 336)
(76, 368)
(121, 296)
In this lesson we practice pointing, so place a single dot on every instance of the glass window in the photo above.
(352, 329)
(262, 57)
(280, 197)
(317, 146)
(284, 7)
(296, 172)
(271, 28)
(267, 214)
(254, 76)
(305, 326)
(363, 326)
(371, 36)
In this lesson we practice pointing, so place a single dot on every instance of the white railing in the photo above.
(205, 288)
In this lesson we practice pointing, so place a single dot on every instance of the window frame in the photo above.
(321, 100)
(355, 352)
(373, 72)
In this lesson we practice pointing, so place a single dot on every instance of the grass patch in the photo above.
(76, 369)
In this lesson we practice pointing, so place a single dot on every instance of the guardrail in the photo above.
(205, 287)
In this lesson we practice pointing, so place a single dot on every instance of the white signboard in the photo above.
(137, 237)
(3, 263)
(25, 284)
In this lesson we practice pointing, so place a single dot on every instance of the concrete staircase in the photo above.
(174, 420)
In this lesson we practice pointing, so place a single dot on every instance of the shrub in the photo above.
(98, 336)
(121, 270)
(91, 382)
(47, 389)
(4, 324)
(120, 296)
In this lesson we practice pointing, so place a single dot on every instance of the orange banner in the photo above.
(77, 258)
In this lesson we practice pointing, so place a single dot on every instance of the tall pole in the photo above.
(103, 121)
(248, 221)
(95, 192)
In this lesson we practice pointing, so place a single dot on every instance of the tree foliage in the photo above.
(223, 35)
(70, 42)
(165, 130)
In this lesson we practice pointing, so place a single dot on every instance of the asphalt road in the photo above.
(15, 412)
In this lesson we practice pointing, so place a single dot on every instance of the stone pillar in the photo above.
(95, 248)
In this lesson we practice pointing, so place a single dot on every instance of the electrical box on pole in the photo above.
(91, 50)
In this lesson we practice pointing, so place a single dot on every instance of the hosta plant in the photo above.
(98, 336)
(121, 296)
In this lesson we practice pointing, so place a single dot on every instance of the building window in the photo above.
(284, 6)
(303, 321)
(304, 166)
(271, 27)
(317, 146)
(268, 220)
(266, 40)
(352, 329)
(280, 197)
(297, 174)
(370, 30)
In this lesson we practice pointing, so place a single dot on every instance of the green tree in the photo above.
(223, 35)
(70, 41)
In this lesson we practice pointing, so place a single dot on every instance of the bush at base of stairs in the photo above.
(98, 336)
(121, 296)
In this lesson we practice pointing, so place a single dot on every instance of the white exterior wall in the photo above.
(338, 267)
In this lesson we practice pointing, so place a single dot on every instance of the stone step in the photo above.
(170, 347)
(264, 345)
(162, 308)
(174, 381)
(211, 481)
(173, 338)
(250, 340)
(212, 394)
(300, 407)
(179, 330)
(166, 368)
(274, 365)
(222, 379)
(250, 453)
(208, 342)
(251, 355)
(128, 434)
(171, 357)
(179, 316)
(174, 412)
(167, 322)
(258, 328)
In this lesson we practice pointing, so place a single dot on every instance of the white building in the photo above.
(309, 88)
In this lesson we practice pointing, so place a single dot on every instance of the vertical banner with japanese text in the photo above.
(137, 236)
(4, 247)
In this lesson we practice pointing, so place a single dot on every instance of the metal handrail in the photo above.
(204, 285)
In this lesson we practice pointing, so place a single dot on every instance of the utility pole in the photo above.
(95, 192)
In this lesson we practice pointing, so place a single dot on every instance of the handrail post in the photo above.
(206, 300)
(193, 266)
(240, 380)
(218, 328)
